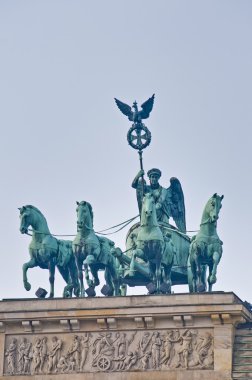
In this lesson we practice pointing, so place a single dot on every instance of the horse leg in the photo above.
(158, 275)
(94, 270)
(190, 277)
(51, 267)
(132, 264)
(30, 264)
(152, 268)
(87, 278)
(74, 276)
(158, 249)
(193, 273)
(203, 277)
(210, 269)
(66, 277)
(115, 277)
(213, 269)
(79, 261)
(123, 286)
(167, 277)
(123, 290)
(136, 253)
(108, 280)
(197, 253)
(200, 285)
(167, 263)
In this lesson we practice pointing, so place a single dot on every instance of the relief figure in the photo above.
(74, 354)
(54, 354)
(24, 358)
(156, 344)
(11, 356)
(84, 347)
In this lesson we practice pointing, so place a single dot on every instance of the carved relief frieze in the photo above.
(108, 351)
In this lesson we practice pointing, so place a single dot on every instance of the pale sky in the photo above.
(63, 138)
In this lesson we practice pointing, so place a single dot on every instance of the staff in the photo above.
(138, 136)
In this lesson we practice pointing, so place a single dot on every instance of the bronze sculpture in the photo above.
(94, 251)
(205, 248)
(133, 113)
(169, 202)
(155, 251)
(152, 247)
(47, 252)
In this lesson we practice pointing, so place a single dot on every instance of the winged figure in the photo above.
(176, 204)
(169, 202)
(133, 113)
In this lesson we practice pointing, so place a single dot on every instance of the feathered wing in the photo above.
(175, 203)
(125, 109)
(147, 107)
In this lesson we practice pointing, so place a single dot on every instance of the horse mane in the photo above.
(35, 209)
(90, 209)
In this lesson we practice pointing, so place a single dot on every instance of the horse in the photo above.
(47, 252)
(205, 248)
(94, 251)
(153, 247)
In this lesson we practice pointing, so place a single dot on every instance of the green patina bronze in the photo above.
(153, 248)
(169, 202)
(158, 254)
(47, 252)
(94, 252)
(205, 248)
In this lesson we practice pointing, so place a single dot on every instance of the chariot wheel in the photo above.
(103, 363)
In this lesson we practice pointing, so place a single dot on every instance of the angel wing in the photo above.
(125, 109)
(147, 107)
(175, 203)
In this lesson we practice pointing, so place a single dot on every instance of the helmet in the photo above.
(154, 171)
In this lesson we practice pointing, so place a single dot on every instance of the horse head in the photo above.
(25, 219)
(213, 207)
(31, 216)
(148, 214)
(84, 215)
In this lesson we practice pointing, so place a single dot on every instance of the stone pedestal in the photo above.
(180, 336)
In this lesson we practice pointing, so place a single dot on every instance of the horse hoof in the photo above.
(213, 280)
(27, 286)
(201, 288)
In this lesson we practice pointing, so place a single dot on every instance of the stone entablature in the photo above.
(178, 334)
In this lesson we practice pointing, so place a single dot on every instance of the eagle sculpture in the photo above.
(133, 113)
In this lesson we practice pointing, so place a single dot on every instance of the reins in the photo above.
(102, 232)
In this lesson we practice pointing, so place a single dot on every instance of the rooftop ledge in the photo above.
(155, 304)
